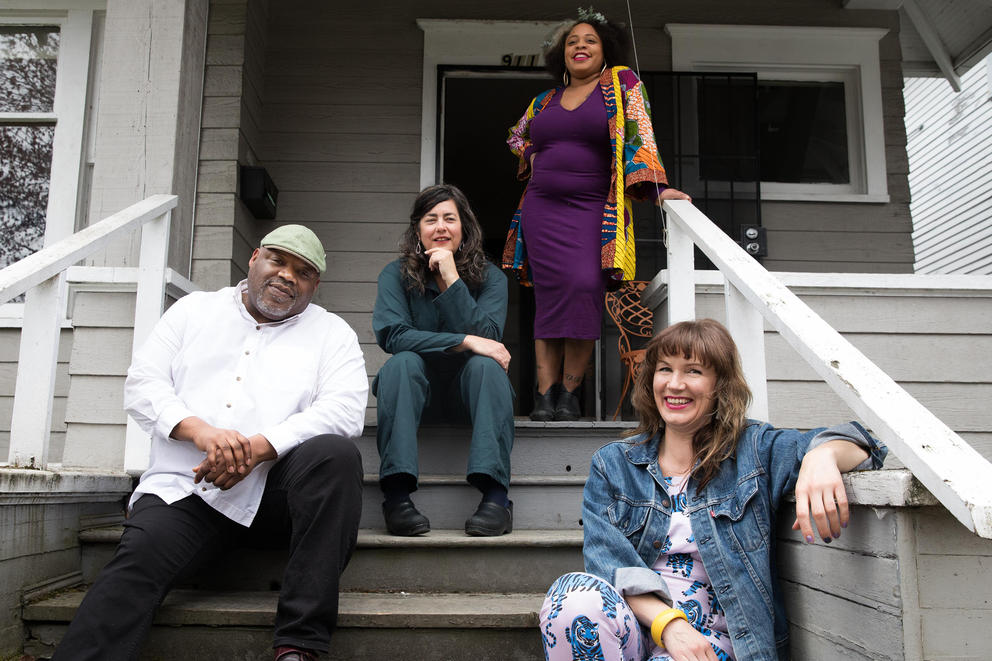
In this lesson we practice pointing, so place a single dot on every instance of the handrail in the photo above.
(42, 275)
(52, 260)
(954, 472)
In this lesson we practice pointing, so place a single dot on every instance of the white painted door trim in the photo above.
(467, 43)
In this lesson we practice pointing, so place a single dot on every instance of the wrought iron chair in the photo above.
(634, 321)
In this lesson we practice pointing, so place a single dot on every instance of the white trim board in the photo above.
(467, 43)
(804, 53)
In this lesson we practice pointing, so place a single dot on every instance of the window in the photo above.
(803, 128)
(45, 93)
(28, 62)
(819, 104)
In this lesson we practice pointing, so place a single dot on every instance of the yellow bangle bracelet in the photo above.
(663, 619)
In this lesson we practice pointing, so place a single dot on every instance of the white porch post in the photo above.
(32, 417)
(148, 305)
(148, 124)
(748, 330)
(681, 275)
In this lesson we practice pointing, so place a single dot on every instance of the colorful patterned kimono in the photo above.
(636, 168)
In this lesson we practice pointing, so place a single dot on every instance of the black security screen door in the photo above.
(706, 126)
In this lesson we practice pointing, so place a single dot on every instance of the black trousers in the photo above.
(312, 501)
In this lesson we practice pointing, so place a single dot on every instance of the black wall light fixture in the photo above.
(258, 192)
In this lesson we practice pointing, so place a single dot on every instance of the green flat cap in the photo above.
(297, 240)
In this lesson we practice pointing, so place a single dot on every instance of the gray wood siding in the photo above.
(841, 599)
(955, 597)
(225, 232)
(950, 150)
(898, 584)
(95, 420)
(10, 345)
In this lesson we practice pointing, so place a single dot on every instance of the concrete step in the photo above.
(238, 625)
(539, 448)
(440, 561)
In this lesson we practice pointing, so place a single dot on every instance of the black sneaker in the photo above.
(544, 405)
(403, 519)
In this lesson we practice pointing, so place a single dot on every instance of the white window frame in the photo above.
(847, 55)
(75, 21)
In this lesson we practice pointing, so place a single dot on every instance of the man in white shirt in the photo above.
(250, 395)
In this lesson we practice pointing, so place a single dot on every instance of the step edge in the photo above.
(517, 480)
(404, 610)
(372, 538)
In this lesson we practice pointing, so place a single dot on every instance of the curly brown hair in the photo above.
(710, 343)
(470, 260)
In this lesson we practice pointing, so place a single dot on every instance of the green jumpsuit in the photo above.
(423, 374)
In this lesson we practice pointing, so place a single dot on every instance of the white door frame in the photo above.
(463, 42)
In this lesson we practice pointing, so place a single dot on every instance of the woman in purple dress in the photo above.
(588, 148)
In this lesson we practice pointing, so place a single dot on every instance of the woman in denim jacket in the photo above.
(679, 518)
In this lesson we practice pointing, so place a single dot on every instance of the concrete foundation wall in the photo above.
(40, 514)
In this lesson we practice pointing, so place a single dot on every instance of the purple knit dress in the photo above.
(562, 215)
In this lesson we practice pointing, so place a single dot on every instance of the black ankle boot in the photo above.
(567, 406)
(544, 405)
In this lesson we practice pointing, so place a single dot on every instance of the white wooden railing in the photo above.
(43, 276)
(957, 475)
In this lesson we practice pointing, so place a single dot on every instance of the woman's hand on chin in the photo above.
(442, 261)
(673, 194)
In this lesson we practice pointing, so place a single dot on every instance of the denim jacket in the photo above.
(626, 512)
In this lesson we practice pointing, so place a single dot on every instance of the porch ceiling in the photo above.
(939, 37)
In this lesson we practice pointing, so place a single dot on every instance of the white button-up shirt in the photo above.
(207, 357)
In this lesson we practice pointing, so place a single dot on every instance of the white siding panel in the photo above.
(950, 155)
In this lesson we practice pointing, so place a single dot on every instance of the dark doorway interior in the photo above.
(706, 129)
(478, 106)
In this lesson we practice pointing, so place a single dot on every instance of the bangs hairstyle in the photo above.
(470, 260)
(708, 342)
(612, 36)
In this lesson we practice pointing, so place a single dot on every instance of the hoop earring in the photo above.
(603, 69)
(419, 249)
(564, 79)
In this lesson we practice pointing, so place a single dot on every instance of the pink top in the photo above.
(682, 570)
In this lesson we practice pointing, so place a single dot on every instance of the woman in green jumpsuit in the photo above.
(440, 312)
